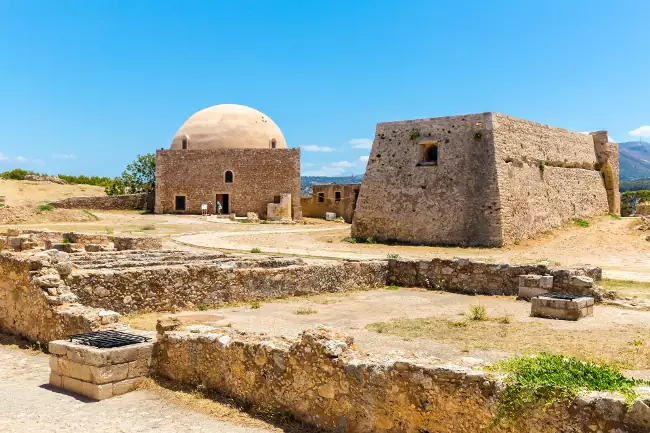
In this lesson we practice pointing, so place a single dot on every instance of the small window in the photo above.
(184, 142)
(273, 143)
(229, 176)
(321, 197)
(429, 154)
(337, 196)
(180, 203)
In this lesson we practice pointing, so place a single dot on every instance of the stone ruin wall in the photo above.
(547, 177)
(159, 286)
(258, 176)
(470, 277)
(321, 380)
(35, 302)
(343, 208)
(110, 202)
(453, 203)
(643, 209)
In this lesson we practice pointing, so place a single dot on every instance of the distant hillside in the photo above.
(307, 181)
(634, 160)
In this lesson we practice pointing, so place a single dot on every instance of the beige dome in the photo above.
(229, 126)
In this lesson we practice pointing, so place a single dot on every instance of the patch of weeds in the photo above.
(2, 205)
(581, 223)
(329, 241)
(255, 305)
(550, 379)
(517, 242)
(414, 135)
(371, 240)
(45, 208)
(108, 230)
(542, 166)
(613, 215)
(245, 221)
(504, 319)
(459, 324)
(202, 307)
(65, 241)
(351, 240)
(264, 222)
(256, 250)
(636, 343)
(477, 313)
(392, 287)
(393, 256)
(194, 331)
(148, 227)
(90, 214)
(306, 311)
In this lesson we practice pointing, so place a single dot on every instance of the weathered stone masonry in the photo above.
(111, 202)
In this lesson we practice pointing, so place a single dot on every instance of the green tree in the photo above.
(630, 199)
(138, 177)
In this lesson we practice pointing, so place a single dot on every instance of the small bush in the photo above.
(542, 166)
(256, 250)
(548, 379)
(517, 242)
(264, 222)
(2, 205)
(65, 241)
(392, 287)
(477, 312)
(613, 215)
(350, 239)
(581, 223)
(45, 208)
(459, 324)
(505, 319)
(202, 307)
(393, 256)
(371, 240)
(306, 311)
(255, 305)
(414, 135)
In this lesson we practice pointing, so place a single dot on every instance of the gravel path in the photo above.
(27, 404)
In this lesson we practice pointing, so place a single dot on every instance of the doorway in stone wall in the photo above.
(225, 202)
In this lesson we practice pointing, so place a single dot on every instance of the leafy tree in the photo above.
(16, 174)
(138, 177)
(630, 199)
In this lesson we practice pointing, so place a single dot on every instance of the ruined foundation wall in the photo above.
(466, 276)
(110, 202)
(321, 380)
(547, 176)
(258, 176)
(36, 304)
(164, 288)
(455, 202)
(344, 208)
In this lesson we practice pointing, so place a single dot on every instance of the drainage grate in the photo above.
(562, 295)
(107, 339)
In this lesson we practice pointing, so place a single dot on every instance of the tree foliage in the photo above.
(16, 174)
(138, 177)
(630, 199)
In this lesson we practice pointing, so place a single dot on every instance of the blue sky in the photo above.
(87, 85)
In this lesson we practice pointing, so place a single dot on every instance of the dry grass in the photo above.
(626, 288)
(306, 311)
(627, 347)
(211, 403)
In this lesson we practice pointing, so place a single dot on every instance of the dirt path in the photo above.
(27, 404)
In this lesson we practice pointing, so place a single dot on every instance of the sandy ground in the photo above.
(18, 192)
(350, 313)
(28, 404)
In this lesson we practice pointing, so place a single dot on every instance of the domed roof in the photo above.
(229, 126)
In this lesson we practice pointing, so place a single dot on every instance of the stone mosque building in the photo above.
(234, 155)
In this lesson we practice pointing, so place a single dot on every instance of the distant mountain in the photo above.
(634, 160)
(307, 181)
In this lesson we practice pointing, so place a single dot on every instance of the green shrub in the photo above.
(17, 174)
(256, 304)
(264, 222)
(629, 200)
(392, 287)
(581, 223)
(306, 311)
(613, 215)
(256, 250)
(350, 239)
(477, 312)
(393, 256)
(45, 208)
(547, 379)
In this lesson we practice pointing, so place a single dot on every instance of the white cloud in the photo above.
(64, 156)
(3, 157)
(364, 158)
(316, 148)
(361, 143)
(21, 159)
(643, 131)
(326, 170)
(308, 164)
(342, 164)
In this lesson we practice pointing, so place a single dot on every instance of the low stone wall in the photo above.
(466, 276)
(137, 243)
(44, 238)
(109, 202)
(321, 380)
(153, 286)
(643, 209)
(36, 304)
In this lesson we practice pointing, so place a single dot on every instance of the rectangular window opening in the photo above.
(337, 196)
(321, 197)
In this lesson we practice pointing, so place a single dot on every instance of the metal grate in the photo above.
(562, 295)
(107, 339)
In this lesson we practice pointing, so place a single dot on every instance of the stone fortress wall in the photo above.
(259, 175)
(455, 202)
(546, 176)
(497, 179)
(110, 202)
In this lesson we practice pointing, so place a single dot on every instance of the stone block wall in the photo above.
(321, 380)
(344, 207)
(280, 209)
(199, 175)
(109, 202)
(466, 276)
(186, 285)
(35, 302)
(643, 209)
